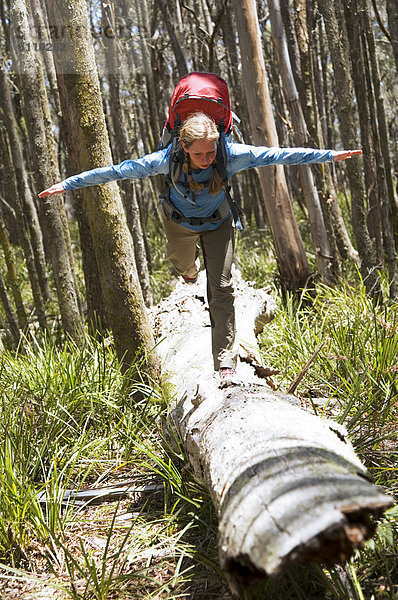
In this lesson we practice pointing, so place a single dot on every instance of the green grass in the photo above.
(69, 419)
(354, 380)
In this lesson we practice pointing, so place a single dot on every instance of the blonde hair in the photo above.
(200, 126)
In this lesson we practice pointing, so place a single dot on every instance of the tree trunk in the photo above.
(181, 62)
(77, 75)
(345, 102)
(288, 17)
(22, 190)
(48, 59)
(381, 116)
(322, 247)
(363, 92)
(31, 220)
(46, 171)
(392, 12)
(327, 118)
(12, 321)
(8, 188)
(386, 197)
(315, 116)
(286, 485)
(12, 277)
(153, 126)
(290, 254)
(123, 152)
(96, 314)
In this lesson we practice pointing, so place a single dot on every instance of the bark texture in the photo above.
(77, 76)
(286, 485)
(46, 172)
(348, 130)
(290, 254)
(392, 12)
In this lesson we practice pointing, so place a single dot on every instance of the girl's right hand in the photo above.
(57, 188)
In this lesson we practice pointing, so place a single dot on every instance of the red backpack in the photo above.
(198, 92)
(203, 92)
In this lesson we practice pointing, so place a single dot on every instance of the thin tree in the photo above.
(181, 62)
(9, 312)
(385, 190)
(323, 252)
(317, 113)
(9, 153)
(22, 189)
(363, 93)
(82, 103)
(36, 110)
(12, 277)
(289, 249)
(345, 102)
(153, 121)
(381, 115)
(123, 152)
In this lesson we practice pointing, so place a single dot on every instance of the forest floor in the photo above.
(152, 567)
(163, 544)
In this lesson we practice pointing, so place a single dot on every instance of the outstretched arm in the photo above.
(243, 156)
(146, 166)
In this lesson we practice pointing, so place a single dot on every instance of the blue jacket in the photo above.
(239, 158)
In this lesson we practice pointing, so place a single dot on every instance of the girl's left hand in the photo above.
(344, 154)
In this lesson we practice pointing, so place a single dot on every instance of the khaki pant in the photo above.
(218, 253)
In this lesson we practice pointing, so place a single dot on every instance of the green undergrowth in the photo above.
(70, 420)
(353, 376)
(351, 350)
(344, 350)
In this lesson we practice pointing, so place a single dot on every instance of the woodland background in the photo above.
(87, 84)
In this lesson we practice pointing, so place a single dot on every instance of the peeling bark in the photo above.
(286, 485)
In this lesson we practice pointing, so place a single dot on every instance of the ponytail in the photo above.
(215, 181)
(186, 167)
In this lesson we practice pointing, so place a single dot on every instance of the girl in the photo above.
(197, 210)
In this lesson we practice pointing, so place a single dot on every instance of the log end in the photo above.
(331, 547)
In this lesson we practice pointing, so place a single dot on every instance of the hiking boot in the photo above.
(190, 279)
(227, 377)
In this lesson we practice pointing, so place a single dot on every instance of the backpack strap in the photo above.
(221, 166)
(176, 160)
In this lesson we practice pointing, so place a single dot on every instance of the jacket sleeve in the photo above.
(146, 166)
(242, 156)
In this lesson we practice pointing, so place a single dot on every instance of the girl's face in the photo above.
(201, 152)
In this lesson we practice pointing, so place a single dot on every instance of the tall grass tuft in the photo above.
(70, 420)
(65, 415)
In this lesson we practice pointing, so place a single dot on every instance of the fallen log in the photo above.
(287, 485)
